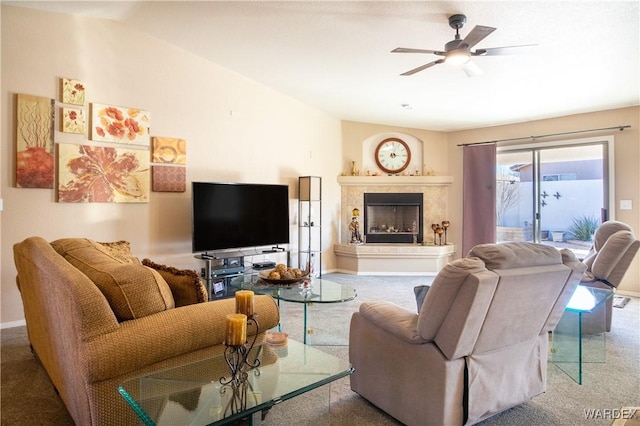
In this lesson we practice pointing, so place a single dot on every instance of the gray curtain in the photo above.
(479, 196)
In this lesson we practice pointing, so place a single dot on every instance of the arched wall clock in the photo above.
(393, 155)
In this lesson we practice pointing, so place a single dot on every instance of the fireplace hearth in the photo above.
(393, 218)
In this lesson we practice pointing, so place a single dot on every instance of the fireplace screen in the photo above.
(393, 218)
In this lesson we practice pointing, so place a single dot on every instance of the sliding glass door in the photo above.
(555, 194)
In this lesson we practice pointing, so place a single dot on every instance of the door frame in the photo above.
(608, 175)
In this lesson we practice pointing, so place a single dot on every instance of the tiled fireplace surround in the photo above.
(393, 259)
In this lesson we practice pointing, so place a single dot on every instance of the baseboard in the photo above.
(12, 324)
(627, 293)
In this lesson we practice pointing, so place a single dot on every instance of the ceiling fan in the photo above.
(459, 51)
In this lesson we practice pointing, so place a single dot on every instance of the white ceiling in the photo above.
(335, 55)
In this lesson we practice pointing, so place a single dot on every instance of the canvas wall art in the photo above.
(93, 174)
(34, 142)
(168, 150)
(73, 120)
(169, 178)
(120, 125)
(73, 91)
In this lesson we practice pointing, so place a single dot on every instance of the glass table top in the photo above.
(316, 290)
(192, 394)
(585, 299)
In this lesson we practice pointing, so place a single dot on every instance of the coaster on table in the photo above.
(277, 339)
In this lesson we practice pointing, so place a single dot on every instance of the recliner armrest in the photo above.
(393, 318)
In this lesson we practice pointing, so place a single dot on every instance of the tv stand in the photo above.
(205, 256)
(220, 268)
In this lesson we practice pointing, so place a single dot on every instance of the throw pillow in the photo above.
(420, 292)
(121, 250)
(132, 290)
(186, 285)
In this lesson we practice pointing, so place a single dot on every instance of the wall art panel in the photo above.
(73, 120)
(73, 91)
(120, 125)
(34, 142)
(169, 178)
(168, 150)
(92, 174)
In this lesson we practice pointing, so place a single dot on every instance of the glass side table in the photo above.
(308, 292)
(570, 348)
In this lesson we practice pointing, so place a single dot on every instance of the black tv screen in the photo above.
(238, 215)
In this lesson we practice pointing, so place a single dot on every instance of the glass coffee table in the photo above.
(192, 394)
(570, 346)
(317, 290)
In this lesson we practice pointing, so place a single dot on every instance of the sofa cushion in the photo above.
(132, 290)
(121, 250)
(186, 285)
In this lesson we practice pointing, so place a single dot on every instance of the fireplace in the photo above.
(393, 217)
(393, 259)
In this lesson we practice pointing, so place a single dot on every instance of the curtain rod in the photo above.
(621, 128)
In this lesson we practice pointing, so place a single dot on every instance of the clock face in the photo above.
(393, 155)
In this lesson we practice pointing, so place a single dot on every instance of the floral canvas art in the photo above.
(34, 142)
(168, 150)
(73, 92)
(92, 174)
(120, 125)
(73, 120)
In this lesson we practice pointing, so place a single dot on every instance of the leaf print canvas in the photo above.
(73, 91)
(73, 120)
(93, 174)
(34, 142)
(120, 125)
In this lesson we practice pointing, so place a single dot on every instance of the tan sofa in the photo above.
(479, 344)
(91, 334)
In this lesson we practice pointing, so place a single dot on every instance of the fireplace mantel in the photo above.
(395, 180)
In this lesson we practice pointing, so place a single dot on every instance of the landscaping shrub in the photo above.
(583, 228)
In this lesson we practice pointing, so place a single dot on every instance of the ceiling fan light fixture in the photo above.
(457, 57)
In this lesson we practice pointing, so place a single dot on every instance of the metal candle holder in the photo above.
(438, 231)
(239, 365)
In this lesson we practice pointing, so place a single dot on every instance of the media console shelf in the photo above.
(221, 268)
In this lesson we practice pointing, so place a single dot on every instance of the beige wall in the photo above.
(236, 130)
(445, 156)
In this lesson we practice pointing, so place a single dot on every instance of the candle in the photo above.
(236, 330)
(244, 302)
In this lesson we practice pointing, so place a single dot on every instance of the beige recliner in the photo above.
(479, 344)
(614, 247)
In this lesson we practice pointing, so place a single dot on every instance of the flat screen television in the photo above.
(238, 215)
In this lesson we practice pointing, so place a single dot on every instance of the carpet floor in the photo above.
(28, 397)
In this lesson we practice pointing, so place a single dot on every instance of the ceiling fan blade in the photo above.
(506, 50)
(409, 50)
(423, 67)
(471, 69)
(477, 34)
